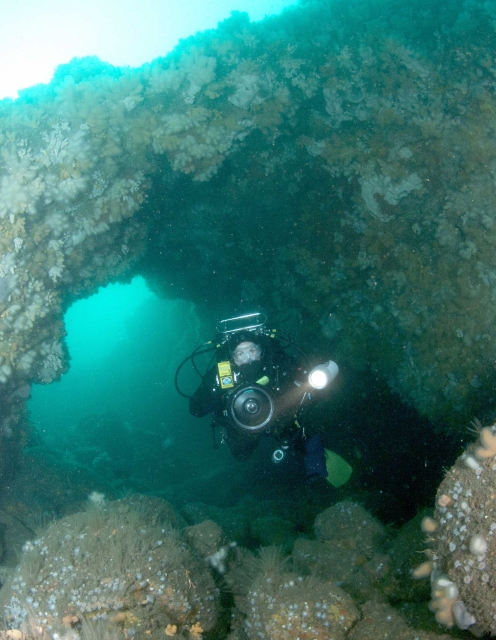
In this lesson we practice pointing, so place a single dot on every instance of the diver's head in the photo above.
(245, 347)
(246, 352)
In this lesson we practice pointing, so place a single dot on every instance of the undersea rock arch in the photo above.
(335, 164)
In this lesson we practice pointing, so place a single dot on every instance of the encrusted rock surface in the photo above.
(345, 164)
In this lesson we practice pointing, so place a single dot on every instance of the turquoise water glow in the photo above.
(120, 341)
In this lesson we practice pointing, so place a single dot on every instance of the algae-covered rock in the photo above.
(356, 573)
(461, 539)
(403, 554)
(379, 621)
(279, 603)
(350, 525)
(271, 530)
(205, 537)
(120, 560)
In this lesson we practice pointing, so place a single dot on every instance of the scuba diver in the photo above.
(253, 388)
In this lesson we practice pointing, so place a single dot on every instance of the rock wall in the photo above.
(335, 164)
(461, 541)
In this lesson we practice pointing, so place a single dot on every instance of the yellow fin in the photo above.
(338, 469)
(263, 380)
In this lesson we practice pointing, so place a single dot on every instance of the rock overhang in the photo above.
(344, 180)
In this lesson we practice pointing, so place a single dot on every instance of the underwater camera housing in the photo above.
(250, 408)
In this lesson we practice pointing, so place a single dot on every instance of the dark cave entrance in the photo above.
(117, 413)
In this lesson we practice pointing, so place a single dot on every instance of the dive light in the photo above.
(323, 374)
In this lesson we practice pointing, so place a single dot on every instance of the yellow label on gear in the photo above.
(225, 375)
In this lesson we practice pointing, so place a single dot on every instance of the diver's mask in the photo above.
(246, 352)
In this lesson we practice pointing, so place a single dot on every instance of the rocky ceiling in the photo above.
(335, 164)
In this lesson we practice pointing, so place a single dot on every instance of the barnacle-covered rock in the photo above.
(461, 539)
(280, 604)
(121, 561)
